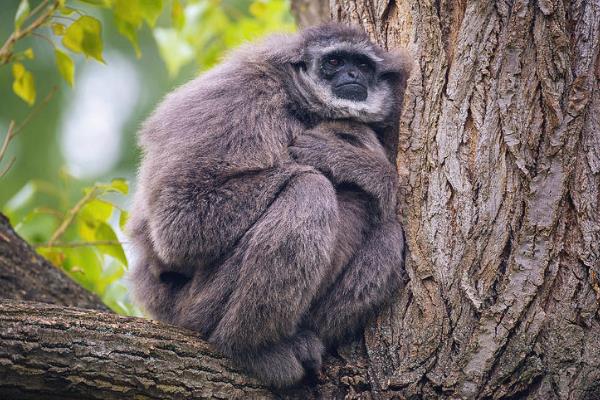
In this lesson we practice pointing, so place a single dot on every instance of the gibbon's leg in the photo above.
(286, 255)
(370, 279)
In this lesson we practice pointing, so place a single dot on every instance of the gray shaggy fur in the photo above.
(257, 222)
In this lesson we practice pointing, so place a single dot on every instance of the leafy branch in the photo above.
(6, 51)
(12, 130)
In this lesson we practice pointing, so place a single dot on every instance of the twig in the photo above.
(37, 9)
(71, 216)
(46, 38)
(10, 164)
(9, 136)
(6, 50)
(12, 131)
(36, 109)
(79, 244)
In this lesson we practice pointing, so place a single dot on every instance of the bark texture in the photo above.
(499, 152)
(55, 352)
(25, 275)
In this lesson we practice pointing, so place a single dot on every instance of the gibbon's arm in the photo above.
(343, 162)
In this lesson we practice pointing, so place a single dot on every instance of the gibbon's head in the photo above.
(339, 73)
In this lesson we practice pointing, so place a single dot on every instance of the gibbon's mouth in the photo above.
(351, 91)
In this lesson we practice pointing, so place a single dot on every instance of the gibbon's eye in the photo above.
(335, 61)
(364, 66)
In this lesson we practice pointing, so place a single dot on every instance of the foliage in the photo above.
(202, 29)
(81, 234)
(82, 239)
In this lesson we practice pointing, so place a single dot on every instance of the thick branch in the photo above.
(25, 275)
(53, 352)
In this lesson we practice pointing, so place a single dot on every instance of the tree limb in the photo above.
(25, 275)
(55, 352)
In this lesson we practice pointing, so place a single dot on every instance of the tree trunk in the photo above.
(500, 160)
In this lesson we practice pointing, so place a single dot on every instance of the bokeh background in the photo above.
(74, 161)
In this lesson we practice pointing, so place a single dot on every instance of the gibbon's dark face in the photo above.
(350, 75)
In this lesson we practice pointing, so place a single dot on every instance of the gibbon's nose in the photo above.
(352, 73)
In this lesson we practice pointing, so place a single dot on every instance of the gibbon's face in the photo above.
(349, 74)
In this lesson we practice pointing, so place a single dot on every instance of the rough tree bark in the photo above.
(500, 159)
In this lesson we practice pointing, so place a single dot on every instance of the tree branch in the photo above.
(55, 352)
(25, 275)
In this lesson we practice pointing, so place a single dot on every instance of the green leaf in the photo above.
(97, 210)
(67, 10)
(259, 8)
(93, 229)
(136, 11)
(56, 257)
(174, 50)
(23, 83)
(85, 36)
(65, 66)
(84, 264)
(58, 29)
(120, 185)
(100, 3)
(123, 218)
(150, 10)
(128, 11)
(177, 15)
(22, 13)
(129, 30)
(29, 54)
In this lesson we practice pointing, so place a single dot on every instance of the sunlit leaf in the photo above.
(84, 264)
(151, 10)
(22, 13)
(123, 218)
(93, 229)
(128, 11)
(58, 29)
(65, 66)
(129, 30)
(104, 232)
(67, 10)
(259, 8)
(97, 209)
(177, 15)
(29, 54)
(121, 185)
(23, 83)
(55, 256)
(175, 51)
(102, 3)
(85, 36)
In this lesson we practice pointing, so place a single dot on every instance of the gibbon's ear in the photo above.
(396, 66)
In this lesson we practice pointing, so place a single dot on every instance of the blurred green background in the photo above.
(67, 191)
